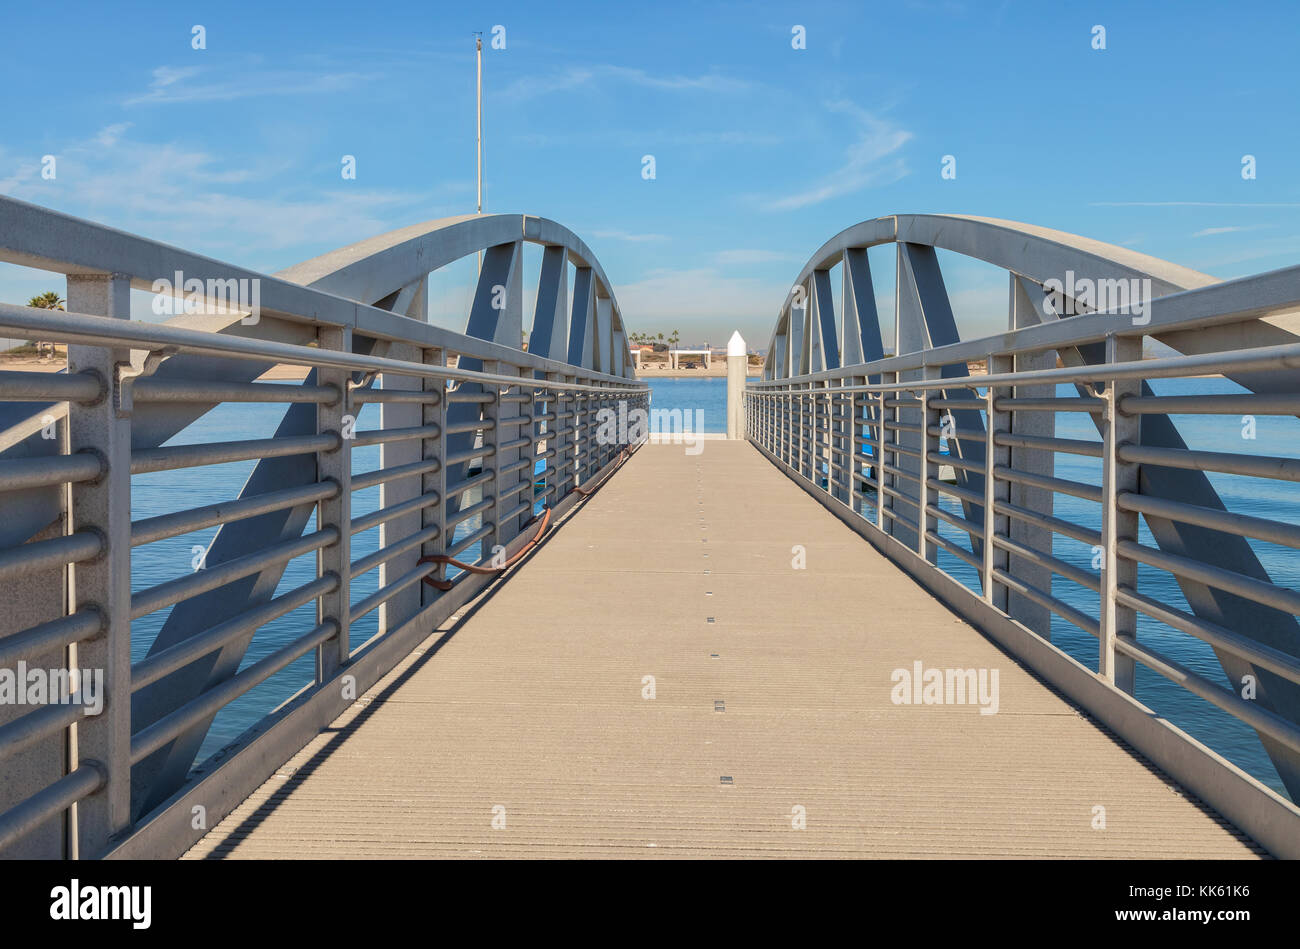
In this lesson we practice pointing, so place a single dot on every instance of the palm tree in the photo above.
(49, 300)
(674, 339)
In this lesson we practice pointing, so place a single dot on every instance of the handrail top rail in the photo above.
(83, 328)
(1286, 356)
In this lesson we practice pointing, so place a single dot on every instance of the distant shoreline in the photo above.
(286, 373)
(718, 370)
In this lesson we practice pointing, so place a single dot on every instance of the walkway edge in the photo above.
(1258, 811)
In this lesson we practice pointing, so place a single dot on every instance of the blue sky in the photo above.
(762, 151)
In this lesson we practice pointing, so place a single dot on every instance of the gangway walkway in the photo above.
(524, 725)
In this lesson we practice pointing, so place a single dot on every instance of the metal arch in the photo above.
(372, 269)
(369, 291)
(379, 270)
(1033, 255)
(1036, 253)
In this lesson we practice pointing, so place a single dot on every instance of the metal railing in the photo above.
(843, 437)
(476, 440)
(951, 472)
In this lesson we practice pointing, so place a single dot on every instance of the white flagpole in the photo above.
(478, 48)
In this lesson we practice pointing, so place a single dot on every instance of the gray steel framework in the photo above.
(464, 419)
(861, 431)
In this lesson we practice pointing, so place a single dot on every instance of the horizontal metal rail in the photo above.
(393, 511)
(165, 594)
(16, 386)
(1007, 541)
(167, 661)
(153, 389)
(54, 634)
(87, 330)
(370, 479)
(23, 818)
(157, 528)
(55, 552)
(19, 473)
(222, 453)
(166, 729)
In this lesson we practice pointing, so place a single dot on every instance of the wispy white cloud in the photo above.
(649, 138)
(188, 197)
(625, 236)
(1195, 204)
(531, 87)
(709, 82)
(741, 256)
(1282, 249)
(110, 135)
(1229, 229)
(171, 84)
(872, 159)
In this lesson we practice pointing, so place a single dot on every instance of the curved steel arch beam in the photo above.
(370, 270)
(1037, 254)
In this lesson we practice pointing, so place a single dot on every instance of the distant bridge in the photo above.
(529, 688)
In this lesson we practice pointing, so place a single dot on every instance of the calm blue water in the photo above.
(164, 492)
(706, 396)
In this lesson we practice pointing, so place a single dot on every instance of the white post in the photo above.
(737, 364)
(478, 99)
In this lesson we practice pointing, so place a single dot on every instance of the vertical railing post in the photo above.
(335, 464)
(573, 437)
(801, 429)
(784, 423)
(103, 506)
(777, 413)
(551, 492)
(1117, 476)
(928, 469)
(820, 419)
(841, 445)
(797, 421)
(599, 450)
(492, 412)
(765, 423)
(810, 427)
(880, 459)
(857, 473)
(580, 449)
(774, 415)
(509, 429)
(789, 426)
(995, 525)
(826, 425)
(435, 515)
